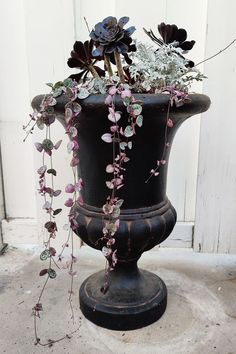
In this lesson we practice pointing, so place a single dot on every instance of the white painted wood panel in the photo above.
(215, 227)
(17, 158)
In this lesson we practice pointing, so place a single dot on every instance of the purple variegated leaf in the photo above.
(69, 202)
(108, 100)
(74, 162)
(42, 170)
(57, 193)
(70, 188)
(57, 145)
(39, 147)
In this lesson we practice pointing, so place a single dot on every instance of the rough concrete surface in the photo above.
(200, 315)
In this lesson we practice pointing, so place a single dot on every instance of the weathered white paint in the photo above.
(215, 227)
(17, 158)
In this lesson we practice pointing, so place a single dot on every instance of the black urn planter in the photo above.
(136, 297)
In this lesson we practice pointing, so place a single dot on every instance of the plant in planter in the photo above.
(120, 112)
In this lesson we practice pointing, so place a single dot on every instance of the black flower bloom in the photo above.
(82, 58)
(174, 35)
(171, 33)
(81, 55)
(110, 36)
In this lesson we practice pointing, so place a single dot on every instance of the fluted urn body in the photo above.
(135, 298)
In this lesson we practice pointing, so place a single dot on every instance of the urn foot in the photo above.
(135, 298)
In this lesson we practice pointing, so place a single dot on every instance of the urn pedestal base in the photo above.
(135, 299)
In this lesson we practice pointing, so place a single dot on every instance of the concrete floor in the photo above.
(200, 316)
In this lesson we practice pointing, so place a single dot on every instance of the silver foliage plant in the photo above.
(152, 69)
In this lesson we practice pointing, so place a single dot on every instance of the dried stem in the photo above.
(119, 67)
(221, 51)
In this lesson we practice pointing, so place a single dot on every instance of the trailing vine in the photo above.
(131, 69)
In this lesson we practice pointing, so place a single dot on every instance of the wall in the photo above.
(215, 226)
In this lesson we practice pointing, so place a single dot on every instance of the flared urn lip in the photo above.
(197, 104)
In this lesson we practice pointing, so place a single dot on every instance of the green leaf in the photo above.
(57, 211)
(50, 84)
(119, 203)
(58, 84)
(40, 123)
(126, 101)
(130, 145)
(128, 131)
(44, 255)
(57, 92)
(52, 171)
(68, 82)
(52, 274)
(47, 144)
(139, 120)
(123, 145)
(83, 93)
(137, 108)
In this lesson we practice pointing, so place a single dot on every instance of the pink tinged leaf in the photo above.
(130, 145)
(70, 188)
(110, 169)
(112, 90)
(111, 241)
(48, 190)
(74, 162)
(43, 272)
(156, 173)
(163, 162)
(167, 144)
(106, 251)
(73, 132)
(108, 100)
(114, 128)
(79, 185)
(70, 146)
(109, 184)
(57, 145)
(52, 251)
(71, 273)
(126, 93)
(42, 170)
(57, 193)
(75, 145)
(170, 123)
(39, 147)
(107, 209)
(114, 258)
(121, 131)
(114, 117)
(68, 114)
(120, 186)
(107, 138)
(47, 205)
(69, 202)
(152, 171)
(80, 200)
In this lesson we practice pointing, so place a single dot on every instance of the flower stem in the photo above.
(108, 65)
(93, 71)
(119, 67)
